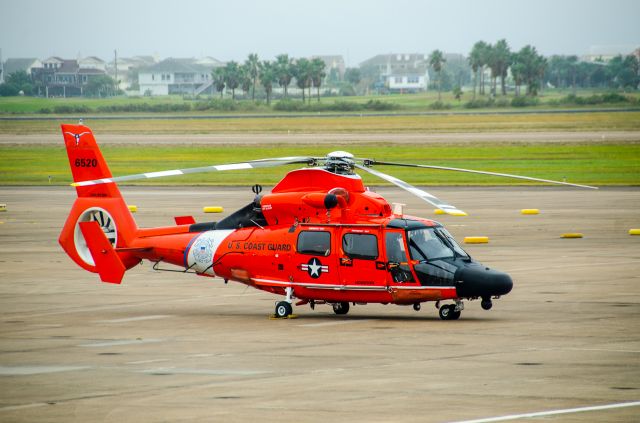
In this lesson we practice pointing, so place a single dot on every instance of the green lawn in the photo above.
(618, 121)
(404, 102)
(596, 164)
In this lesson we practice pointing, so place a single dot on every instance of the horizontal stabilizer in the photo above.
(109, 265)
(184, 220)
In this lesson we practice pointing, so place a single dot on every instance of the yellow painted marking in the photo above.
(213, 209)
(476, 240)
(529, 211)
(132, 208)
(634, 231)
(571, 235)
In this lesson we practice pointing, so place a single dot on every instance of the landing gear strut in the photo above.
(284, 308)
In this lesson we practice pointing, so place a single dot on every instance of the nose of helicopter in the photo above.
(480, 281)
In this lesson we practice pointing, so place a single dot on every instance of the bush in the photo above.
(478, 103)
(67, 109)
(524, 101)
(608, 98)
(288, 105)
(439, 105)
(378, 105)
(8, 90)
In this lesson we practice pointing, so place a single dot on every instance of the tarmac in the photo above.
(564, 345)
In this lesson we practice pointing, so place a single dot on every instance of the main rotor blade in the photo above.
(447, 208)
(506, 175)
(253, 164)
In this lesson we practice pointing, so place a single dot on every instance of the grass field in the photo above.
(404, 102)
(597, 164)
(366, 124)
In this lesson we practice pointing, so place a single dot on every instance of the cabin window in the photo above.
(317, 243)
(360, 246)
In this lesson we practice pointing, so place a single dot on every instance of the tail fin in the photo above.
(86, 162)
(101, 203)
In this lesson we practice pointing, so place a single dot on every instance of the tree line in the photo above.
(282, 71)
(526, 67)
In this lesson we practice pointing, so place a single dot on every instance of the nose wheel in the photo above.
(449, 312)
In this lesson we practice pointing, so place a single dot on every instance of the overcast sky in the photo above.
(356, 29)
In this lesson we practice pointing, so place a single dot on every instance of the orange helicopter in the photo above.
(319, 237)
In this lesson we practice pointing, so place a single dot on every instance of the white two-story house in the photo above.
(176, 76)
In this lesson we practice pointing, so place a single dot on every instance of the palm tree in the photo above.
(218, 77)
(253, 65)
(302, 71)
(475, 61)
(232, 77)
(483, 50)
(245, 78)
(436, 61)
(283, 69)
(502, 57)
(268, 75)
(572, 64)
(317, 74)
(517, 71)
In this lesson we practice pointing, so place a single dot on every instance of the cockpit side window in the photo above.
(360, 246)
(397, 257)
(425, 244)
(395, 247)
(314, 242)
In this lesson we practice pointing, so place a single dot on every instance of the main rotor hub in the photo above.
(340, 162)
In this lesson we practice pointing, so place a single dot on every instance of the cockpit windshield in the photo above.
(433, 243)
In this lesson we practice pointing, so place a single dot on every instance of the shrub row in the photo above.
(608, 98)
(339, 106)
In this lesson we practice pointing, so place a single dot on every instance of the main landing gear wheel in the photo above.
(283, 309)
(448, 312)
(341, 308)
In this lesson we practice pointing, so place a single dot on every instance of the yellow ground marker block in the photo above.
(476, 239)
(530, 211)
(213, 209)
(3, 207)
(634, 231)
(133, 208)
(439, 211)
(571, 235)
(291, 316)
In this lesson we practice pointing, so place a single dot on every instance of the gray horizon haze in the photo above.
(355, 29)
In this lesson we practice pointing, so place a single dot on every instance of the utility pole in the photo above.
(1, 68)
(115, 61)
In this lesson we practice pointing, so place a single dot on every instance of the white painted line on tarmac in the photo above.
(564, 266)
(553, 412)
(340, 322)
(206, 372)
(119, 342)
(135, 319)
(23, 406)
(36, 370)
(157, 360)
